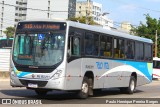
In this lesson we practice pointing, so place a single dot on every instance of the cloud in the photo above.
(129, 7)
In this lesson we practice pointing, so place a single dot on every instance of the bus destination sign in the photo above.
(41, 26)
(31, 26)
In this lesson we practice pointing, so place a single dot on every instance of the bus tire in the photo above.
(84, 92)
(41, 92)
(132, 85)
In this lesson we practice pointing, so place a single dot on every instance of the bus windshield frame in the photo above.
(37, 46)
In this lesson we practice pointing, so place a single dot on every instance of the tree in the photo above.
(9, 32)
(148, 30)
(83, 20)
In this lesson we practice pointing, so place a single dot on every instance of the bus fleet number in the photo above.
(102, 65)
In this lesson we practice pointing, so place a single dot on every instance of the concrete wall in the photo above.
(4, 63)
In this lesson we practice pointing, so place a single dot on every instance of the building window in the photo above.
(16, 14)
(16, 8)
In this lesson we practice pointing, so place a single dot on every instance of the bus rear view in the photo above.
(37, 57)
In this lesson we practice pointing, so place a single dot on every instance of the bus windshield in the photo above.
(39, 43)
(39, 49)
(156, 64)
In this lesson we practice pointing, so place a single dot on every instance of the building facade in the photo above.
(52, 9)
(126, 27)
(94, 10)
(20, 10)
(7, 15)
(12, 11)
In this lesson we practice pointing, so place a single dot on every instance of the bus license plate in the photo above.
(32, 85)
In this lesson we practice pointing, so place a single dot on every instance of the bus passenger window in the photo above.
(119, 48)
(76, 46)
(129, 49)
(106, 46)
(91, 44)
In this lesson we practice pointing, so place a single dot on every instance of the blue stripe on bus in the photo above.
(143, 67)
(22, 74)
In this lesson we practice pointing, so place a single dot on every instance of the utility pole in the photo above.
(87, 11)
(2, 14)
(49, 9)
(156, 44)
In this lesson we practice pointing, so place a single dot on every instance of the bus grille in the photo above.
(39, 83)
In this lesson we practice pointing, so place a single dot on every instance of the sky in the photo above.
(130, 10)
(125, 10)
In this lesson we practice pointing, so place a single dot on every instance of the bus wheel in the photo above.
(41, 92)
(132, 85)
(83, 93)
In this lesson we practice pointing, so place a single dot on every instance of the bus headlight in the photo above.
(13, 73)
(57, 74)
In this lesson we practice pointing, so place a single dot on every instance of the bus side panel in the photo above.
(74, 77)
(106, 72)
(143, 71)
(95, 66)
(113, 75)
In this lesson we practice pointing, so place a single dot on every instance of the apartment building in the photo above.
(94, 10)
(7, 15)
(52, 9)
(126, 27)
(20, 10)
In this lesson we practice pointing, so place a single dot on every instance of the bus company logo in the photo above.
(33, 76)
(6, 101)
(102, 65)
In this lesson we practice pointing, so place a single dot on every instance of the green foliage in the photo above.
(148, 30)
(9, 31)
(83, 20)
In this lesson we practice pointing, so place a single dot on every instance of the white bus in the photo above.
(156, 68)
(63, 55)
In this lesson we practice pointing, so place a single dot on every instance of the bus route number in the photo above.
(102, 65)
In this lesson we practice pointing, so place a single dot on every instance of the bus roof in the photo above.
(98, 29)
(110, 32)
(156, 59)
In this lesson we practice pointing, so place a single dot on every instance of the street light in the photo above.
(101, 16)
(105, 13)
(88, 12)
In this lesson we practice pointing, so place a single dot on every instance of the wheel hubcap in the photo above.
(85, 88)
(132, 85)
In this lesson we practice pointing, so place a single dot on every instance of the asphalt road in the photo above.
(58, 97)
